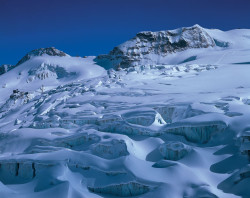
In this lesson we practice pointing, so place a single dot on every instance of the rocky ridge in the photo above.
(148, 47)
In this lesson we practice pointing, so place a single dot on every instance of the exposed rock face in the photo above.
(17, 98)
(147, 47)
(18, 94)
(5, 68)
(51, 51)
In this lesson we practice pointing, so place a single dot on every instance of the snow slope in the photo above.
(178, 129)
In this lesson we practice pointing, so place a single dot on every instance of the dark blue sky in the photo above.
(92, 27)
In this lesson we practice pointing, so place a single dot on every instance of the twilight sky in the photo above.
(92, 27)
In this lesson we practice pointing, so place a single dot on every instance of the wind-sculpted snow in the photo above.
(70, 129)
(238, 182)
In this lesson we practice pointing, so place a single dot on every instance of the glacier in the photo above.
(165, 114)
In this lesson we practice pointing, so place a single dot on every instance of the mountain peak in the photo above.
(196, 26)
(145, 45)
(51, 51)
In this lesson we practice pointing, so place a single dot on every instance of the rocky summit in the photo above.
(151, 47)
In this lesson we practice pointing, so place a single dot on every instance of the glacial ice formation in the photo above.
(110, 150)
(162, 128)
(122, 190)
(173, 150)
(200, 133)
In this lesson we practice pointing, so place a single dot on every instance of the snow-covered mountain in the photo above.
(48, 68)
(176, 124)
(154, 48)
(50, 51)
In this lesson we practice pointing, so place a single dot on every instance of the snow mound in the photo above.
(237, 183)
